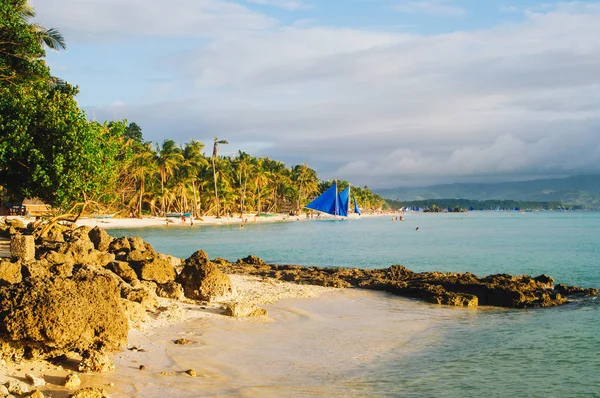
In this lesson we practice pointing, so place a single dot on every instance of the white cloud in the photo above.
(285, 4)
(376, 107)
(443, 8)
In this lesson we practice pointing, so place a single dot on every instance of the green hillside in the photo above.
(582, 190)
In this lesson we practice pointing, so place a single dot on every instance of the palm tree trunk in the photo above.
(141, 196)
(215, 181)
(195, 207)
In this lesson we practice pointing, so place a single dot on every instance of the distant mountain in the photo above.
(582, 190)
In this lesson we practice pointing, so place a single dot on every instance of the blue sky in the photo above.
(378, 92)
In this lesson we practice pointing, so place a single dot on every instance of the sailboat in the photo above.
(334, 204)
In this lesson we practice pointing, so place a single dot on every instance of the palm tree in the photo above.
(51, 38)
(193, 163)
(169, 159)
(214, 156)
(143, 166)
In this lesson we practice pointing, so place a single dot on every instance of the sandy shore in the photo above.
(108, 223)
(247, 289)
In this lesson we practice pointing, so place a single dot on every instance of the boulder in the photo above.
(100, 238)
(119, 245)
(139, 256)
(159, 271)
(136, 243)
(141, 295)
(202, 280)
(90, 392)
(170, 290)
(82, 232)
(95, 362)
(22, 247)
(123, 270)
(243, 310)
(252, 260)
(16, 387)
(46, 317)
(72, 381)
(10, 272)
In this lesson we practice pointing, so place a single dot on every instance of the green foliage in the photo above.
(48, 149)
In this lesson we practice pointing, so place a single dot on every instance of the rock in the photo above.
(253, 260)
(3, 390)
(72, 381)
(137, 243)
(34, 380)
(202, 280)
(10, 272)
(14, 223)
(22, 247)
(90, 392)
(139, 256)
(170, 290)
(123, 270)
(141, 295)
(36, 269)
(100, 238)
(183, 341)
(36, 394)
(159, 271)
(16, 387)
(47, 317)
(119, 245)
(81, 233)
(55, 233)
(191, 372)
(96, 362)
(136, 314)
(243, 310)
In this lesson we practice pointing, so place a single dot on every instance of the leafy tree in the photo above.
(134, 132)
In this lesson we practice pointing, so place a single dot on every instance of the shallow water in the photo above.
(484, 352)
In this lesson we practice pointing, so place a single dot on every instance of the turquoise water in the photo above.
(487, 352)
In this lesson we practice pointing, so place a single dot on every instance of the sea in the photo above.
(372, 344)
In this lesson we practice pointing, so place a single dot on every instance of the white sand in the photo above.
(247, 289)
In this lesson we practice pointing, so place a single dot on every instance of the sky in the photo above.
(383, 93)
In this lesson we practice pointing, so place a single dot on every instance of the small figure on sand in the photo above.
(416, 229)
(241, 226)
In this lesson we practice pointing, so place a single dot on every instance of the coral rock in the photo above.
(90, 392)
(202, 280)
(72, 381)
(100, 238)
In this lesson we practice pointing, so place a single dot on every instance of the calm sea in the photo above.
(463, 353)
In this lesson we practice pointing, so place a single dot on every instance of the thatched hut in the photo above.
(35, 207)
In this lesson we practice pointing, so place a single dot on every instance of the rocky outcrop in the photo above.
(43, 317)
(10, 272)
(458, 289)
(22, 247)
(243, 310)
(100, 238)
(90, 392)
(202, 280)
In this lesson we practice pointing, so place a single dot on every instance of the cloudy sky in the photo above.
(378, 92)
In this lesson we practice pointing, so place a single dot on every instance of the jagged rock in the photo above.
(119, 245)
(55, 233)
(139, 256)
(170, 290)
(72, 381)
(123, 270)
(158, 271)
(79, 250)
(191, 372)
(14, 223)
(137, 243)
(22, 247)
(36, 269)
(136, 313)
(252, 260)
(202, 280)
(16, 387)
(95, 362)
(36, 394)
(49, 316)
(100, 238)
(142, 295)
(243, 310)
(572, 290)
(90, 392)
(183, 341)
(220, 261)
(81, 233)
(34, 380)
(10, 272)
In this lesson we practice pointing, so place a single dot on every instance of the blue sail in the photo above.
(356, 208)
(327, 202)
(344, 198)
